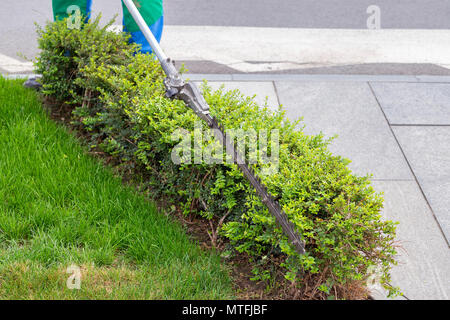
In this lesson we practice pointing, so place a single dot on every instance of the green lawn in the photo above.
(59, 206)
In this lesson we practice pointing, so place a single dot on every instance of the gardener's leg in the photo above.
(152, 12)
(73, 8)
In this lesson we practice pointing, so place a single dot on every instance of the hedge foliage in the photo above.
(118, 97)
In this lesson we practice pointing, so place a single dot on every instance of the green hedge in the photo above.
(118, 98)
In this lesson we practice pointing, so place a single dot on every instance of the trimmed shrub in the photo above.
(118, 98)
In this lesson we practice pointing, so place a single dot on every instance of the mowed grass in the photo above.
(59, 206)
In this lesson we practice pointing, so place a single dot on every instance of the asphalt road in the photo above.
(18, 36)
(349, 14)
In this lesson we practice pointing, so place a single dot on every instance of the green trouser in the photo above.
(65, 8)
(151, 11)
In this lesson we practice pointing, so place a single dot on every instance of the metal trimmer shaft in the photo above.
(177, 88)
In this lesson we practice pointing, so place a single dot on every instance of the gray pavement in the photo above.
(427, 149)
(415, 103)
(410, 163)
(349, 110)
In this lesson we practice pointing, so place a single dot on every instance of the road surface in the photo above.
(262, 36)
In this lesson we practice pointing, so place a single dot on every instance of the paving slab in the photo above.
(428, 152)
(414, 103)
(423, 271)
(349, 110)
(261, 89)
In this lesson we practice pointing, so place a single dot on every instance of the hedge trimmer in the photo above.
(177, 88)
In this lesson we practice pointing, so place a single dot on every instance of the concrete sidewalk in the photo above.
(396, 128)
